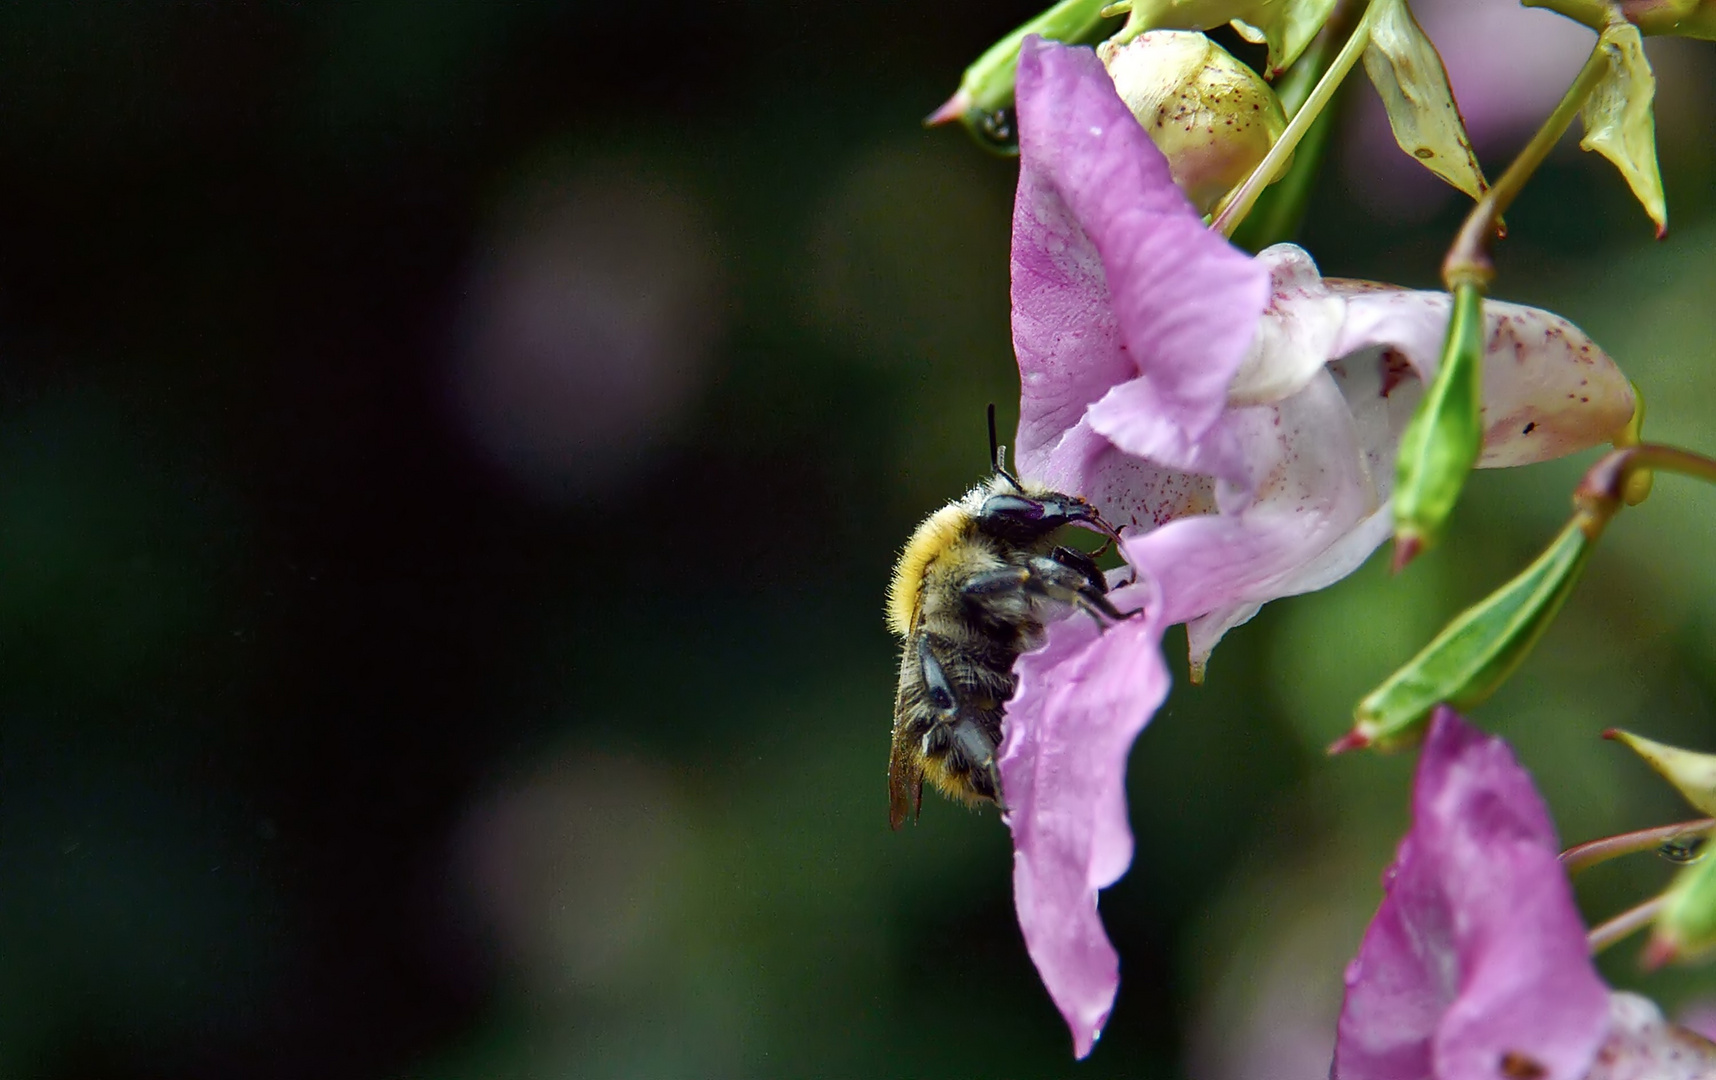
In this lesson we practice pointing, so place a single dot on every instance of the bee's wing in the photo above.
(905, 760)
(905, 781)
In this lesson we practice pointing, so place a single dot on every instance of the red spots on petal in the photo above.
(1517, 1066)
(1395, 369)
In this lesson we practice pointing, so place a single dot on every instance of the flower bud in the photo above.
(1442, 443)
(1210, 115)
(1686, 925)
(984, 100)
(1476, 652)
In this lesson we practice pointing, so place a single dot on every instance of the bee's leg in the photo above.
(1075, 559)
(960, 732)
(1070, 575)
(1001, 593)
(978, 749)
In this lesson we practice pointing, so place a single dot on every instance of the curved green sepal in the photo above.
(984, 99)
(1445, 436)
(1692, 774)
(1619, 123)
(1638, 485)
(1476, 652)
(1408, 74)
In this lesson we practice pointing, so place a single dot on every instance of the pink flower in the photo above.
(1477, 953)
(1476, 965)
(1238, 417)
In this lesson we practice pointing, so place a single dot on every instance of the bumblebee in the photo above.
(973, 589)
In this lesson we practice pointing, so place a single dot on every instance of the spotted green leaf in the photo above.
(1408, 73)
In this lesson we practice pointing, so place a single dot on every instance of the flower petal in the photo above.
(1476, 961)
(1082, 700)
(1309, 492)
(1297, 334)
(1127, 489)
(1643, 1046)
(1548, 389)
(1114, 275)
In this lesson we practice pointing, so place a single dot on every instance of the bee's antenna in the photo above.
(998, 454)
(994, 444)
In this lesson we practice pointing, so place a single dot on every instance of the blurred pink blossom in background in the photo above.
(591, 319)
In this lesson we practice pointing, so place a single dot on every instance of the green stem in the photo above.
(1294, 88)
(1593, 852)
(1468, 259)
(1603, 490)
(1281, 206)
(1240, 202)
(1624, 924)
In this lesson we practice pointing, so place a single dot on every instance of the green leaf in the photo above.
(1286, 26)
(1692, 774)
(1619, 122)
(1407, 72)
(1477, 651)
(1442, 443)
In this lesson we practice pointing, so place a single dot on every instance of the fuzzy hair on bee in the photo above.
(973, 589)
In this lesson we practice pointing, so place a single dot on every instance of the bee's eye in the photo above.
(1012, 508)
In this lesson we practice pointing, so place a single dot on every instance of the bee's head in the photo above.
(1026, 512)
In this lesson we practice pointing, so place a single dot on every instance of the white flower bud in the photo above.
(1213, 117)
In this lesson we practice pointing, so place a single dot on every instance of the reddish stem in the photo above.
(1589, 854)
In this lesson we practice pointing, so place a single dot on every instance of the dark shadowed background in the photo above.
(451, 456)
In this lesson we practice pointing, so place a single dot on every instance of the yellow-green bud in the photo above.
(1210, 115)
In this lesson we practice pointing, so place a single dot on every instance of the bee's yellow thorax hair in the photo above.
(939, 532)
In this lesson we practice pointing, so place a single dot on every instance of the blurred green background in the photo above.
(451, 456)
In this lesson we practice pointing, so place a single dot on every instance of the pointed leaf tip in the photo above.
(1691, 773)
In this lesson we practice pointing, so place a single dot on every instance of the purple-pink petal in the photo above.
(1082, 700)
(1475, 966)
(1115, 277)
